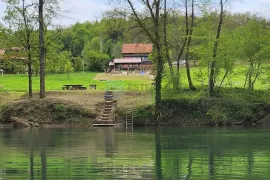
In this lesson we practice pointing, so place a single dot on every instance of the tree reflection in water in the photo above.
(148, 153)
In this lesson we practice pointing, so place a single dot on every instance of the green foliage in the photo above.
(68, 68)
(143, 115)
(59, 62)
(77, 63)
(117, 50)
(96, 61)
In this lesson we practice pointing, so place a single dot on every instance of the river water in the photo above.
(147, 153)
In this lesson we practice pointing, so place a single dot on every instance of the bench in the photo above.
(93, 86)
(73, 87)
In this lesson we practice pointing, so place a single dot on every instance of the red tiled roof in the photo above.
(137, 48)
(12, 54)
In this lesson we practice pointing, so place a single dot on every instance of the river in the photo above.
(146, 153)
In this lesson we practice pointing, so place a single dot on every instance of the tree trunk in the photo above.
(190, 84)
(211, 83)
(28, 49)
(223, 79)
(29, 64)
(41, 49)
(183, 45)
(174, 82)
(159, 80)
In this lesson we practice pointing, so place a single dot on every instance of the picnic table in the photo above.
(73, 87)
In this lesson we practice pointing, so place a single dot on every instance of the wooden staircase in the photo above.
(106, 118)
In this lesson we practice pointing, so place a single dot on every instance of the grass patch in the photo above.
(236, 79)
(19, 82)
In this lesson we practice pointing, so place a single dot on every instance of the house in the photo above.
(135, 57)
(13, 60)
(14, 53)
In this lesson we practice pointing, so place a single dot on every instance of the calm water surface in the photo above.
(147, 153)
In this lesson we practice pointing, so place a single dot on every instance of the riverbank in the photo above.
(186, 108)
(68, 108)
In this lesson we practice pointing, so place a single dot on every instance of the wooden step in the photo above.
(104, 120)
(103, 125)
(109, 102)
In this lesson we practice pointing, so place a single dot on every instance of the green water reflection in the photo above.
(147, 153)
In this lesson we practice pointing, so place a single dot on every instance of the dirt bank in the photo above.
(76, 108)
(81, 108)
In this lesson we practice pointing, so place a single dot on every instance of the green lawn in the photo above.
(19, 82)
(234, 80)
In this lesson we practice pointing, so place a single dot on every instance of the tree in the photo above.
(41, 48)
(96, 61)
(21, 19)
(154, 35)
(255, 47)
(117, 50)
(68, 68)
(51, 8)
(189, 31)
(211, 83)
(166, 47)
(77, 63)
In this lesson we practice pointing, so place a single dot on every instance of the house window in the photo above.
(144, 59)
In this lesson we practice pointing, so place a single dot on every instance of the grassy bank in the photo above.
(232, 106)
(19, 82)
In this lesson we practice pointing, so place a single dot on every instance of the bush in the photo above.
(96, 61)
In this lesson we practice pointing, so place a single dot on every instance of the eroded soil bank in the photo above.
(67, 108)
(82, 108)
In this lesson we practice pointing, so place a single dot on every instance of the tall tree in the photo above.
(41, 48)
(154, 36)
(211, 83)
(189, 32)
(47, 9)
(166, 47)
(20, 15)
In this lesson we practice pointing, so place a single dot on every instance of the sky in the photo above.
(90, 10)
